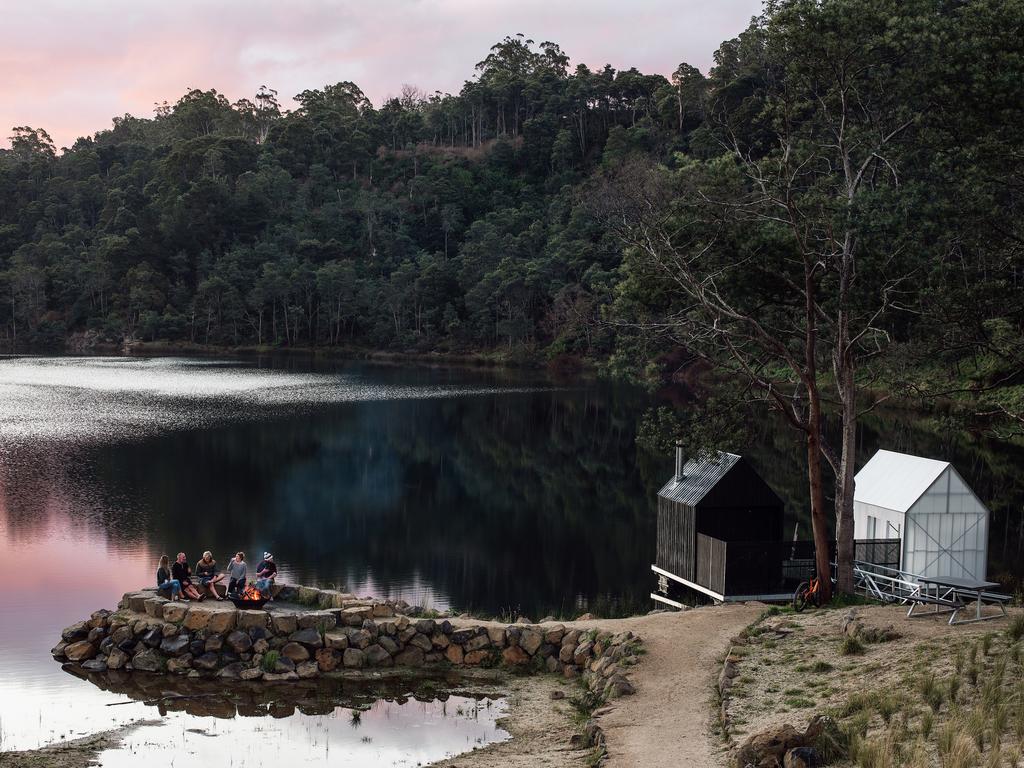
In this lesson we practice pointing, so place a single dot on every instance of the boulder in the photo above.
(586, 617)
(248, 619)
(260, 646)
(169, 630)
(121, 634)
(176, 645)
(153, 637)
(75, 632)
(259, 633)
(389, 645)
(279, 677)
(117, 659)
(383, 611)
(309, 637)
(239, 641)
(572, 637)
(207, 662)
(307, 670)
(552, 665)
(221, 621)
(582, 654)
(330, 598)
(196, 618)
(462, 636)
(58, 650)
(174, 611)
(180, 665)
(318, 620)
(618, 686)
(308, 595)
(148, 660)
(530, 640)
(155, 607)
(497, 636)
(232, 671)
(426, 626)
(253, 673)
(801, 757)
(421, 641)
(514, 656)
(454, 654)
(336, 640)
(439, 640)
(95, 665)
(476, 643)
(356, 615)
(328, 659)
(554, 634)
(295, 651)
(284, 623)
(96, 634)
(354, 658)
(213, 643)
(376, 656)
(370, 626)
(401, 623)
(476, 657)
(284, 664)
(411, 657)
(137, 601)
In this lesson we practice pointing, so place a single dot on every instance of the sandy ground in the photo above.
(78, 753)
(667, 723)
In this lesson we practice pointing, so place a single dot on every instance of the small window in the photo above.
(872, 526)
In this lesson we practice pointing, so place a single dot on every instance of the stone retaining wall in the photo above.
(336, 632)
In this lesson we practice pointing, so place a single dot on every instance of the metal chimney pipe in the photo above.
(679, 463)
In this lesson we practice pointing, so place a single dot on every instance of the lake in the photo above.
(494, 492)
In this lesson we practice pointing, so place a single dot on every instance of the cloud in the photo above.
(69, 66)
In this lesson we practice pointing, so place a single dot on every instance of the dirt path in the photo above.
(667, 723)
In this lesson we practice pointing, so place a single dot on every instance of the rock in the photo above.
(208, 661)
(354, 658)
(401, 623)
(75, 632)
(426, 626)
(284, 623)
(148, 660)
(330, 598)
(337, 640)
(318, 620)
(411, 657)
(376, 656)
(440, 640)
(327, 659)
(462, 636)
(388, 645)
(476, 643)
(572, 637)
(176, 645)
(196, 618)
(547, 620)
(497, 636)
(618, 686)
(174, 611)
(370, 627)
(474, 658)
(515, 656)
(232, 671)
(155, 607)
(512, 635)
(169, 630)
(180, 665)
(95, 665)
(383, 611)
(566, 653)
(295, 651)
(569, 671)
(554, 634)
(582, 654)
(769, 747)
(117, 659)
(239, 641)
(530, 640)
(260, 646)
(454, 654)
(356, 615)
(360, 639)
(279, 677)
(254, 673)
(308, 637)
(523, 620)
(221, 621)
(421, 641)
(284, 664)
(248, 619)
(552, 664)
(557, 695)
(121, 634)
(308, 595)
(58, 650)
(81, 650)
(307, 670)
(586, 617)
(96, 634)
(197, 647)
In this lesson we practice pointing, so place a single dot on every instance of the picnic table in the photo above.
(953, 594)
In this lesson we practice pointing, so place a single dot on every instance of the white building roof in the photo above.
(896, 480)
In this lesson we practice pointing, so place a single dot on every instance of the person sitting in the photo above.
(181, 572)
(164, 582)
(266, 572)
(206, 572)
(236, 573)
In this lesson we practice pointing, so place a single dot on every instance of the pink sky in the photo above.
(69, 66)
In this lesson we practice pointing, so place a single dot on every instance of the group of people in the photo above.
(177, 582)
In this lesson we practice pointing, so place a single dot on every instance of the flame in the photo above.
(250, 593)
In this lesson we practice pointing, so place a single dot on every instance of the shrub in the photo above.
(1016, 629)
(821, 667)
(851, 646)
(270, 660)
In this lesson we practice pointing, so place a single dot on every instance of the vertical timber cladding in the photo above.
(676, 538)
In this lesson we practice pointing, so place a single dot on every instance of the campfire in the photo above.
(249, 597)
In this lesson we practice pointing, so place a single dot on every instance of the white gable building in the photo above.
(924, 502)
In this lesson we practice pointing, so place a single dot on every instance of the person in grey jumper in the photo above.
(237, 570)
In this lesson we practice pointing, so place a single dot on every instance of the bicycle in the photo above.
(808, 593)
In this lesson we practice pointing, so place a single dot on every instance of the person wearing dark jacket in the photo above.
(181, 572)
(266, 572)
(164, 582)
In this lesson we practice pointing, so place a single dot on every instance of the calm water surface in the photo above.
(466, 489)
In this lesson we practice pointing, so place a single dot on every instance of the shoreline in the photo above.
(76, 753)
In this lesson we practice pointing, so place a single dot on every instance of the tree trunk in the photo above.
(845, 474)
(819, 522)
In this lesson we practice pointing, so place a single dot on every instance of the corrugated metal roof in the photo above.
(699, 477)
(896, 480)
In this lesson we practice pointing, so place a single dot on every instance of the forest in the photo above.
(495, 220)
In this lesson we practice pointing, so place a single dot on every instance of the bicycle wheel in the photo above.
(800, 596)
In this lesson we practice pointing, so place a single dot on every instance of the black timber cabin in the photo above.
(719, 530)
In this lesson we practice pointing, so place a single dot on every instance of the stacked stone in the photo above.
(337, 632)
